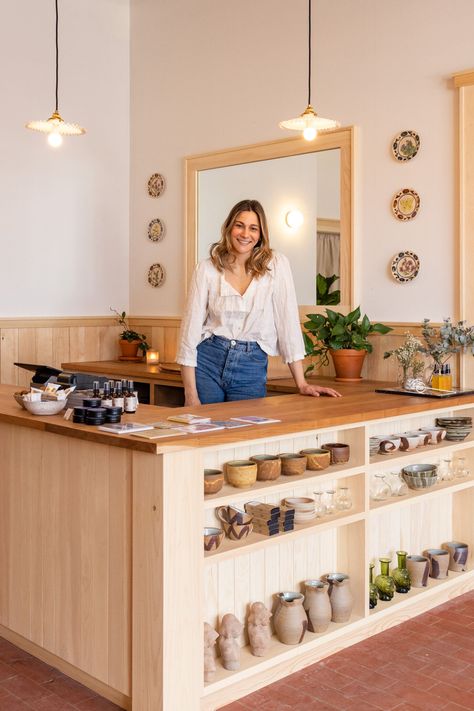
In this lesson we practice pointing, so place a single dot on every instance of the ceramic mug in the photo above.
(408, 441)
(439, 562)
(419, 568)
(458, 555)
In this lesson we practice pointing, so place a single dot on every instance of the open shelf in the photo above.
(428, 451)
(414, 495)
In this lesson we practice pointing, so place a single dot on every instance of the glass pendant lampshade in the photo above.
(55, 126)
(309, 123)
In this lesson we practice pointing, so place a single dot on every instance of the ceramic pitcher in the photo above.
(317, 605)
(290, 618)
(340, 595)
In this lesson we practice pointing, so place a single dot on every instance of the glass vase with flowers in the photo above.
(411, 366)
(441, 343)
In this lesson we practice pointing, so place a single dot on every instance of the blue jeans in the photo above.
(230, 370)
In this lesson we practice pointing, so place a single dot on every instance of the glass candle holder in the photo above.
(460, 468)
(343, 499)
(152, 357)
(445, 469)
(397, 485)
(379, 488)
(319, 505)
(330, 502)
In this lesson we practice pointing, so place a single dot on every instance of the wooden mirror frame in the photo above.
(342, 138)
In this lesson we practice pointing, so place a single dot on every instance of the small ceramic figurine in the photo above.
(259, 629)
(210, 636)
(229, 631)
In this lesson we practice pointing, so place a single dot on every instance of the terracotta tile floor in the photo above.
(425, 663)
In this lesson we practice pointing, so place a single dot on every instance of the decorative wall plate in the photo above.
(405, 266)
(406, 204)
(406, 145)
(156, 230)
(156, 185)
(156, 275)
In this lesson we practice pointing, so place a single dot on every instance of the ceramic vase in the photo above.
(373, 594)
(384, 582)
(418, 567)
(317, 605)
(340, 595)
(290, 618)
(400, 575)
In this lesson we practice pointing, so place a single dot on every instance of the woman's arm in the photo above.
(191, 397)
(304, 387)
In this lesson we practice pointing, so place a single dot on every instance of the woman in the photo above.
(241, 308)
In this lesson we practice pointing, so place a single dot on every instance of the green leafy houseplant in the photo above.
(335, 331)
(323, 296)
(129, 334)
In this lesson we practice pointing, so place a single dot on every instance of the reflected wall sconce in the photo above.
(55, 126)
(309, 122)
(294, 219)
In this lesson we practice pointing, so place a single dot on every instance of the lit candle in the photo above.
(152, 357)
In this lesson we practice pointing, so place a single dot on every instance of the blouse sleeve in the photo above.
(194, 316)
(285, 312)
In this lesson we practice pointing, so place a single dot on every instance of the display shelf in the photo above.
(255, 541)
(231, 494)
(415, 495)
(429, 451)
(401, 600)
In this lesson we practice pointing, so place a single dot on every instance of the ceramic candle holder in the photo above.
(458, 555)
(268, 466)
(316, 459)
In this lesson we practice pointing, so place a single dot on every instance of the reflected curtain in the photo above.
(328, 255)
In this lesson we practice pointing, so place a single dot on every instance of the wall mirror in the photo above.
(306, 189)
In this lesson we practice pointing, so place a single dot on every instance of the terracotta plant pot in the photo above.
(348, 364)
(129, 349)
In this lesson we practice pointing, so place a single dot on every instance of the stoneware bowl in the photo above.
(213, 537)
(408, 441)
(48, 407)
(437, 434)
(268, 466)
(420, 476)
(389, 445)
(316, 459)
(423, 437)
(213, 480)
(292, 463)
(340, 452)
(236, 524)
(241, 473)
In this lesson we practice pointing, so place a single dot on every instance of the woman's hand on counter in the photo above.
(317, 390)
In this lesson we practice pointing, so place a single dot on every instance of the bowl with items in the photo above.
(420, 476)
(457, 428)
(44, 407)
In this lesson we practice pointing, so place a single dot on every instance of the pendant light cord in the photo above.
(309, 51)
(57, 55)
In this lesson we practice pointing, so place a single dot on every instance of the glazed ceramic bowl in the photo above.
(213, 480)
(423, 437)
(420, 476)
(236, 524)
(374, 445)
(268, 466)
(457, 428)
(48, 407)
(292, 463)
(408, 441)
(340, 452)
(213, 537)
(316, 459)
(389, 445)
(241, 473)
(437, 434)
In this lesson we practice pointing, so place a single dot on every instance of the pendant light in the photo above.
(55, 126)
(309, 122)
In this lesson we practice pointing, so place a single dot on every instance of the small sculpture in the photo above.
(210, 636)
(259, 629)
(229, 632)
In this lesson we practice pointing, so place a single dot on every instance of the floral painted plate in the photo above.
(405, 266)
(406, 145)
(405, 204)
(156, 185)
(156, 230)
(156, 275)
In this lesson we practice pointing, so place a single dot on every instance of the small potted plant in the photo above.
(344, 337)
(130, 341)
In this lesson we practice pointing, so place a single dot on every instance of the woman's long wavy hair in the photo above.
(221, 252)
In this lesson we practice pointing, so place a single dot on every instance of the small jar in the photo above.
(330, 502)
(343, 499)
(460, 469)
(380, 490)
(397, 485)
(319, 505)
(445, 470)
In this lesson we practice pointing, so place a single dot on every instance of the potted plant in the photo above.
(130, 341)
(344, 337)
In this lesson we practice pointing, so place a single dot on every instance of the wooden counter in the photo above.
(102, 571)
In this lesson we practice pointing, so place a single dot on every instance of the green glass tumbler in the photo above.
(373, 594)
(384, 582)
(400, 574)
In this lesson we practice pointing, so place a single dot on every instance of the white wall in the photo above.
(209, 75)
(64, 213)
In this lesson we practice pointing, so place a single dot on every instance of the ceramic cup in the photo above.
(418, 567)
(389, 445)
(268, 466)
(439, 562)
(316, 459)
(213, 537)
(340, 452)
(408, 441)
(292, 463)
(241, 473)
(236, 524)
(213, 480)
(458, 555)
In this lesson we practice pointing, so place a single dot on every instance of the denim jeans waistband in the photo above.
(234, 343)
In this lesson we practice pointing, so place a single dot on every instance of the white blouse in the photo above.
(266, 313)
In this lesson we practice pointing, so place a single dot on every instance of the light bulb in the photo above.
(309, 133)
(294, 219)
(55, 139)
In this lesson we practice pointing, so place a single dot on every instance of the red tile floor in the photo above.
(424, 664)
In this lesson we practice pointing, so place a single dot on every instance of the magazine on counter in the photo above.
(254, 420)
(200, 427)
(124, 427)
(188, 419)
(230, 424)
(158, 433)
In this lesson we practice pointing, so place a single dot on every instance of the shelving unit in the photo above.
(240, 573)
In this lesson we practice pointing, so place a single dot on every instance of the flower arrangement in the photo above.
(443, 341)
(128, 334)
(411, 365)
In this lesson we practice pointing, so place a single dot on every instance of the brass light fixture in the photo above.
(309, 122)
(55, 126)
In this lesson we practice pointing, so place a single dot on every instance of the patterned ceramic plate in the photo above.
(156, 185)
(156, 230)
(156, 275)
(406, 145)
(405, 266)
(406, 204)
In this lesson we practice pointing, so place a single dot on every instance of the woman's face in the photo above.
(245, 233)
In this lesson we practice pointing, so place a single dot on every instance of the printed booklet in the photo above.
(157, 433)
(230, 424)
(254, 420)
(124, 427)
(188, 419)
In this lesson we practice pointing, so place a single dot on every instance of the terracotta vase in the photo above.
(340, 595)
(129, 349)
(348, 364)
(317, 605)
(290, 618)
(418, 567)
